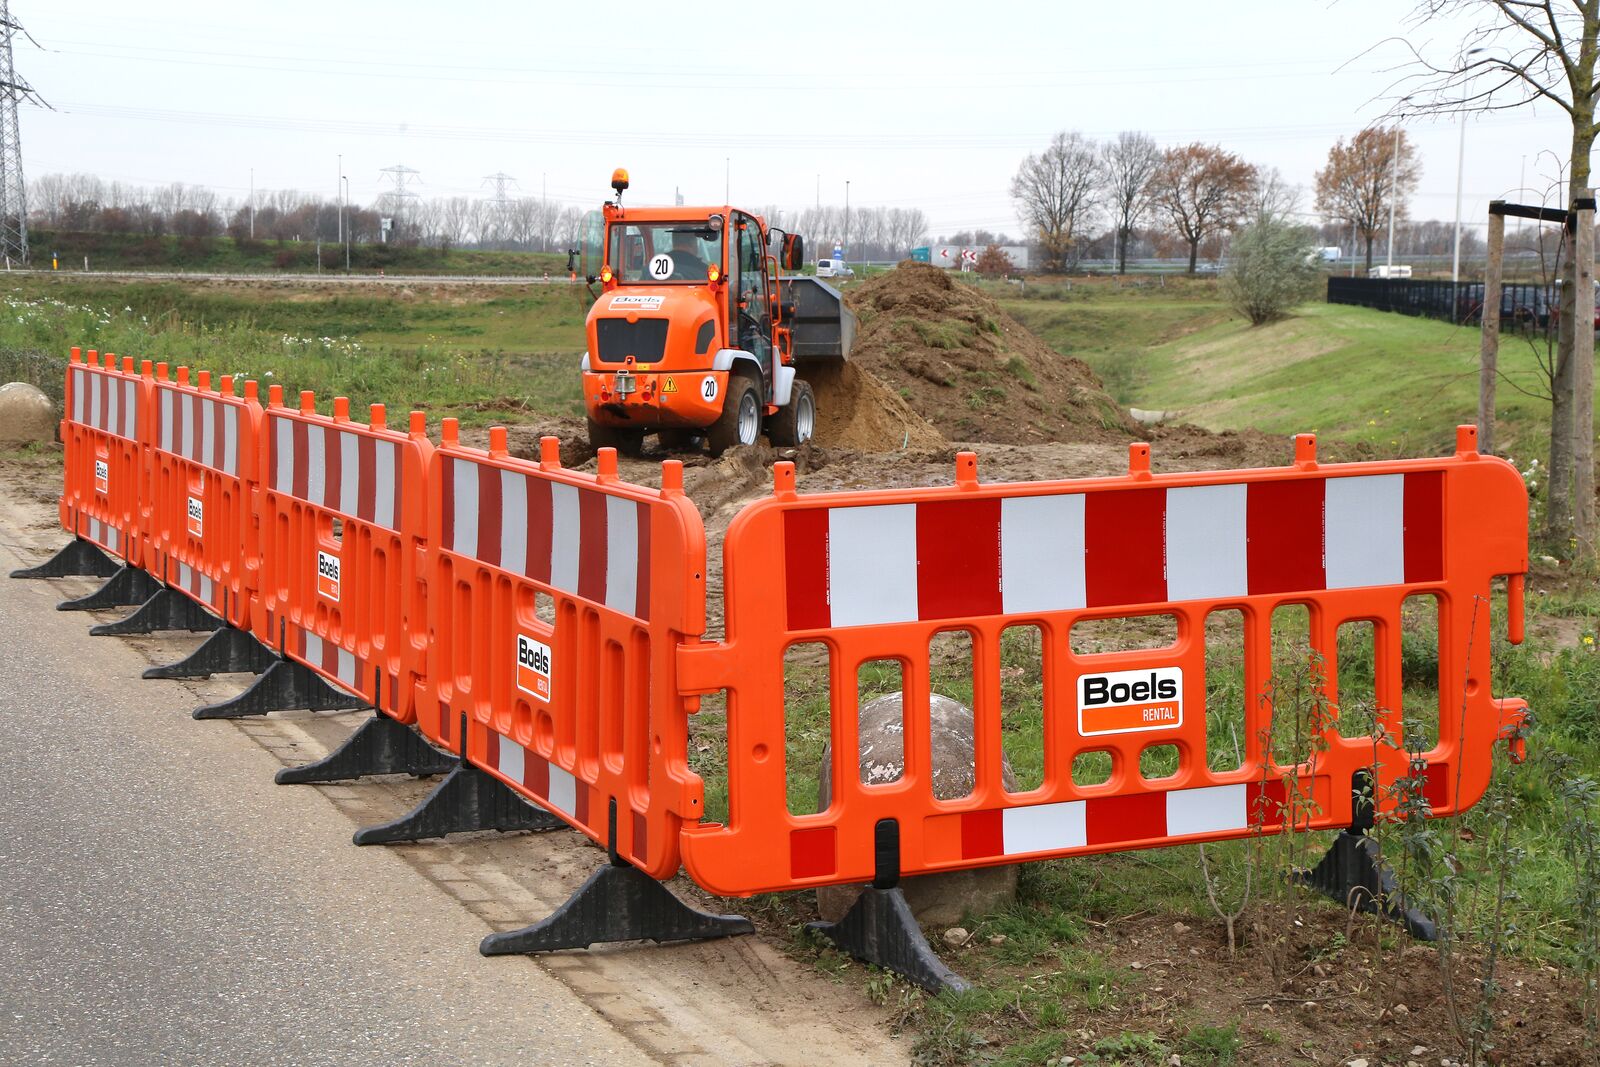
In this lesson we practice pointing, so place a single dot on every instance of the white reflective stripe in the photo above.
(1207, 550)
(94, 401)
(622, 554)
(465, 476)
(563, 791)
(316, 463)
(514, 522)
(872, 564)
(166, 420)
(1207, 809)
(565, 541)
(205, 588)
(186, 421)
(313, 651)
(512, 764)
(1044, 827)
(384, 490)
(283, 456)
(1365, 522)
(130, 410)
(114, 406)
(78, 384)
(349, 473)
(1041, 553)
(230, 440)
(347, 668)
(208, 431)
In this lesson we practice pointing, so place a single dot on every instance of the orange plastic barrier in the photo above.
(202, 530)
(342, 518)
(556, 601)
(876, 575)
(104, 431)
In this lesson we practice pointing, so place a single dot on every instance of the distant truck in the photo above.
(1384, 270)
(834, 268)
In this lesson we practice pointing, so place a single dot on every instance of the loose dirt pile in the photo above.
(857, 410)
(971, 370)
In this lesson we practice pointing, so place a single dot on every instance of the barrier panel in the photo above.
(556, 601)
(877, 575)
(341, 534)
(203, 480)
(103, 435)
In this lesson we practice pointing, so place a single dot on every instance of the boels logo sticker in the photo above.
(1121, 702)
(102, 476)
(197, 517)
(328, 576)
(533, 667)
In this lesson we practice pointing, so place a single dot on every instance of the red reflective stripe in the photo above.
(447, 493)
(332, 466)
(812, 852)
(958, 558)
(641, 837)
(982, 833)
(1424, 522)
(592, 545)
(536, 773)
(489, 514)
(492, 753)
(1265, 802)
(1283, 521)
(1135, 817)
(539, 530)
(581, 801)
(302, 464)
(367, 491)
(805, 547)
(1124, 547)
(1436, 790)
(642, 594)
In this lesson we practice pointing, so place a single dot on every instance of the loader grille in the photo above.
(617, 339)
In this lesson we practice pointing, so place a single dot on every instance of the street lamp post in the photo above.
(344, 202)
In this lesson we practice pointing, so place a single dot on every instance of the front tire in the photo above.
(740, 421)
(796, 421)
(626, 442)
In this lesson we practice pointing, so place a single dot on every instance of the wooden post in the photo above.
(1489, 346)
(1583, 378)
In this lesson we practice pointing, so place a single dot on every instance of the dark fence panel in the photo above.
(1526, 307)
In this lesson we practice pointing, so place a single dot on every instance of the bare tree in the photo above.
(1054, 192)
(1518, 53)
(1202, 190)
(1361, 179)
(1127, 164)
(1272, 198)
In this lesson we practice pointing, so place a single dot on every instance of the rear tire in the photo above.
(796, 421)
(626, 442)
(740, 421)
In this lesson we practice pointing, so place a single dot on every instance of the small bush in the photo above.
(1272, 271)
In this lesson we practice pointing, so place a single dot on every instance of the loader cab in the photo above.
(750, 305)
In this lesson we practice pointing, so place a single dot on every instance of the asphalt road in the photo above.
(312, 278)
(163, 902)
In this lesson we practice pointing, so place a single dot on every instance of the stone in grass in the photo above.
(26, 414)
(935, 899)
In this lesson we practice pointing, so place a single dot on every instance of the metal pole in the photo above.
(1394, 181)
(343, 204)
(336, 187)
(1352, 249)
(1455, 259)
(252, 203)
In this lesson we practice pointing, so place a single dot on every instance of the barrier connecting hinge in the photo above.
(705, 667)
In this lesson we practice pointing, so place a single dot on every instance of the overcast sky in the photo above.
(927, 104)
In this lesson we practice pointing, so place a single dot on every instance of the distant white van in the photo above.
(1399, 270)
(834, 268)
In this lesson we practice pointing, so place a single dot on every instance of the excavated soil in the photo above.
(855, 409)
(971, 370)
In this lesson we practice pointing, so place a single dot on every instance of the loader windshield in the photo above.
(664, 252)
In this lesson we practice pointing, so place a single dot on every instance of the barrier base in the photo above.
(617, 903)
(284, 686)
(127, 587)
(227, 651)
(166, 610)
(381, 746)
(465, 801)
(76, 557)
(1352, 874)
(879, 928)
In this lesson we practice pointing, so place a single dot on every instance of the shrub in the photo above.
(1272, 272)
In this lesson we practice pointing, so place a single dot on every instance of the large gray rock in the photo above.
(936, 899)
(26, 414)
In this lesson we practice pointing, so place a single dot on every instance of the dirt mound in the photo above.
(857, 410)
(971, 370)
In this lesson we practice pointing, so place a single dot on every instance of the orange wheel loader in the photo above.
(696, 333)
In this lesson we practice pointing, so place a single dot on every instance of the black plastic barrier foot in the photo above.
(166, 610)
(617, 903)
(1353, 875)
(284, 686)
(227, 651)
(128, 586)
(380, 746)
(465, 801)
(76, 557)
(879, 928)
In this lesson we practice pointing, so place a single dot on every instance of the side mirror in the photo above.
(794, 251)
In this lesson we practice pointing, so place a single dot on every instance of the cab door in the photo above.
(750, 311)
